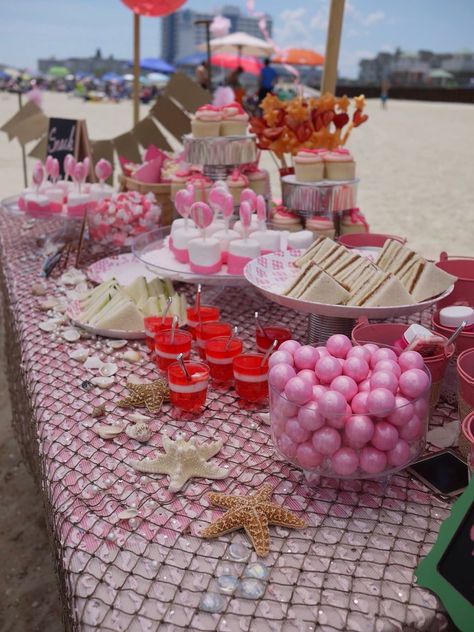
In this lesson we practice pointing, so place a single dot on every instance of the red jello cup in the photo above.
(251, 378)
(206, 314)
(272, 332)
(219, 355)
(188, 394)
(153, 325)
(169, 344)
(208, 331)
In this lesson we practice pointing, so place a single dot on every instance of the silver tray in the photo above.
(220, 150)
(323, 198)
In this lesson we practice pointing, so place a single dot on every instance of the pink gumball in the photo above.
(345, 461)
(322, 351)
(286, 409)
(326, 441)
(358, 431)
(399, 455)
(412, 430)
(411, 360)
(403, 411)
(372, 461)
(413, 383)
(382, 354)
(326, 369)
(305, 357)
(371, 348)
(279, 375)
(318, 390)
(421, 408)
(307, 457)
(289, 345)
(364, 386)
(287, 446)
(359, 403)
(384, 379)
(280, 357)
(332, 404)
(388, 365)
(278, 425)
(296, 432)
(385, 436)
(309, 375)
(380, 402)
(310, 417)
(356, 368)
(298, 391)
(346, 386)
(359, 352)
(339, 345)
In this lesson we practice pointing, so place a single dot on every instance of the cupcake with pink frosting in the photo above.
(259, 180)
(354, 222)
(206, 122)
(322, 226)
(234, 120)
(283, 219)
(309, 165)
(339, 165)
(236, 183)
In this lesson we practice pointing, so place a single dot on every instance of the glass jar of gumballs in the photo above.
(348, 411)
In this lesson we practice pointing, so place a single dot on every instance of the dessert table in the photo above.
(352, 568)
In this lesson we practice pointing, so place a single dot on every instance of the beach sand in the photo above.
(415, 165)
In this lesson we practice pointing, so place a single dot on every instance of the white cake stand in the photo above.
(272, 273)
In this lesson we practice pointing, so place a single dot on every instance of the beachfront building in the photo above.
(180, 36)
(95, 66)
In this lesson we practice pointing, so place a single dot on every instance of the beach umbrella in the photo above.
(157, 77)
(58, 71)
(248, 63)
(156, 65)
(112, 76)
(127, 77)
(13, 73)
(240, 43)
(4, 75)
(299, 57)
(191, 60)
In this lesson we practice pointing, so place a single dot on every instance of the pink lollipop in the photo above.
(79, 174)
(249, 196)
(217, 199)
(103, 170)
(48, 165)
(87, 165)
(245, 217)
(261, 211)
(202, 216)
(228, 207)
(183, 201)
(38, 175)
(69, 164)
(55, 170)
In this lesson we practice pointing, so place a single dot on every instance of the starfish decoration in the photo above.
(253, 513)
(151, 394)
(183, 460)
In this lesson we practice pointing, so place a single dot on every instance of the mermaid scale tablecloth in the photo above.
(351, 569)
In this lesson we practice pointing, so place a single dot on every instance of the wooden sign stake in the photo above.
(136, 68)
(333, 41)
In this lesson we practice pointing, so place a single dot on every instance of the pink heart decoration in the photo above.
(48, 165)
(217, 199)
(103, 170)
(69, 164)
(228, 208)
(184, 200)
(79, 173)
(261, 209)
(202, 214)
(38, 174)
(249, 196)
(245, 214)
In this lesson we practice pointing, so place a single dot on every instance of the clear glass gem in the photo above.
(212, 602)
(257, 570)
(227, 583)
(251, 589)
(239, 552)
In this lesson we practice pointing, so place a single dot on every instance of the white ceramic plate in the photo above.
(125, 268)
(74, 313)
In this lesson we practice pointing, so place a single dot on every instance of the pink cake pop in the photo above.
(296, 431)
(358, 431)
(327, 368)
(338, 345)
(103, 170)
(307, 457)
(413, 429)
(289, 345)
(359, 403)
(345, 461)
(385, 436)
(359, 352)
(250, 197)
(309, 376)
(388, 365)
(279, 375)
(372, 461)
(305, 357)
(403, 411)
(413, 383)
(384, 379)
(400, 454)
(281, 356)
(380, 402)
(310, 417)
(346, 386)
(298, 391)
(326, 441)
(382, 354)
(411, 360)
(356, 368)
(287, 446)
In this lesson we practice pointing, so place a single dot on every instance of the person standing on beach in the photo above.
(268, 77)
(202, 75)
(384, 88)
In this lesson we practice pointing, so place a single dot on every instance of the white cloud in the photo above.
(364, 20)
(319, 20)
(373, 18)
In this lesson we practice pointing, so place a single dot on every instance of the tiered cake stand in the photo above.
(219, 155)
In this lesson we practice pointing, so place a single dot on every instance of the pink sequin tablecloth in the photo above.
(351, 569)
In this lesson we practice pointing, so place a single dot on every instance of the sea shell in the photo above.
(49, 325)
(103, 382)
(72, 277)
(126, 514)
(80, 354)
(131, 356)
(61, 307)
(93, 363)
(48, 303)
(39, 289)
(117, 344)
(108, 369)
(138, 418)
(71, 335)
(108, 431)
(141, 432)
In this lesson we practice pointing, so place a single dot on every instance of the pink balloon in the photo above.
(372, 461)
(184, 199)
(358, 431)
(411, 360)
(298, 391)
(356, 368)
(346, 386)
(327, 368)
(38, 174)
(339, 345)
(296, 431)
(289, 345)
(380, 402)
(345, 461)
(245, 214)
(384, 379)
(385, 436)
(307, 457)
(280, 357)
(261, 208)
(359, 403)
(103, 170)
(305, 357)
(202, 215)
(326, 441)
(413, 383)
(249, 196)
(310, 417)
(69, 164)
(279, 375)
(400, 454)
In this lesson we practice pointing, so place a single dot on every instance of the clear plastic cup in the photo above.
(220, 353)
(251, 377)
(188, 394)
(169, 344)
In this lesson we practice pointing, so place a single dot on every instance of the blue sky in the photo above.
(40, 28)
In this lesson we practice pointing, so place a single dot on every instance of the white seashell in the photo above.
(117, 344)
(71, 335)
(72, 277)
(48, 303)
(108, 431)
(140, 432)
(93, 363)
(131, 356)
(61, 307)
(49, 325)
(138, 418)
(80, 355)
(108, 369)
(126, 514)
(103, 382)
(39, 289)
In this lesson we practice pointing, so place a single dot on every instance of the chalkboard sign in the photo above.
(448, 569)
(67, 136)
